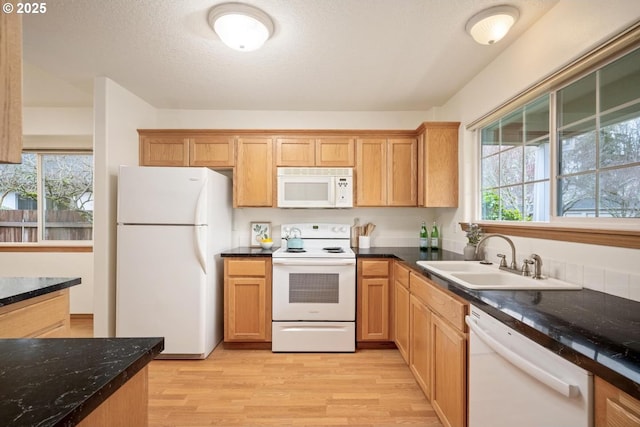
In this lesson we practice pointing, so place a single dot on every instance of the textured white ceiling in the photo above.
(325, 55)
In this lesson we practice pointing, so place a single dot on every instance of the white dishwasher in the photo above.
(515, 382)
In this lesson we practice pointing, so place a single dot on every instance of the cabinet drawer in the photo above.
(244, 267)
(36, 316)
(375, 268)
(439, 301)
(401, 274)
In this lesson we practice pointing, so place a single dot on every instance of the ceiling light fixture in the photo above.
(491, 25)
(240, 26)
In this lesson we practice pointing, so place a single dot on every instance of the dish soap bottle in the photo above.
(435, 237)
(424, 240)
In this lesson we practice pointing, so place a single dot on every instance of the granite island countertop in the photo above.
(594, 330)
(59, 381)
(16, 289)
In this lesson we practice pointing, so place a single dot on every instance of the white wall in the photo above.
(55, 264)
(56, 128)
(570, 29)
(118, 114)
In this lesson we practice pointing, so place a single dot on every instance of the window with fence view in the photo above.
(48, 197)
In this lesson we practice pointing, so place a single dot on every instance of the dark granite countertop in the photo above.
(59, 381)
(246, 251)
(591, 329)
(15, 289)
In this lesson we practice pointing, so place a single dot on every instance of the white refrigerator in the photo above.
(173, 223)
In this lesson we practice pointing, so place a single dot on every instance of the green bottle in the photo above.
(424, 237)
(435, 237)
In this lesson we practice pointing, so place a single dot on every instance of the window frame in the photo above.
(42, 245)
(619, 232)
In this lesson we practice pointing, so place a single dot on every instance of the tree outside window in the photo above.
(61, 185)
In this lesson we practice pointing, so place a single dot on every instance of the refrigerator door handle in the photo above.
(199, 251)
(202, 198)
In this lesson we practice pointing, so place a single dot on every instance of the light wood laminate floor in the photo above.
(261, 388)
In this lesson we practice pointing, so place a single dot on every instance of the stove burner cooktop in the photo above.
(334, 250)
(296, 250)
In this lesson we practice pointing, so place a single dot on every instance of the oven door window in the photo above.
(314, 288)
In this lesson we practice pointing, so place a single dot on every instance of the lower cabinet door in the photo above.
(401, 321)
(449, 373)
(246, 305)
(419, 344)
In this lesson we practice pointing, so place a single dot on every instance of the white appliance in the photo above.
(315, 187)
(172, 225)
(314, 291)
(515, 382)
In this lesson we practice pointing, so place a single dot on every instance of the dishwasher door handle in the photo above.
(523, 364)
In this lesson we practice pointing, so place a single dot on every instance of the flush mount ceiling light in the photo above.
(240, 26)
(491, 25)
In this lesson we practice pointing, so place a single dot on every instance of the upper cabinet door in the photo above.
(295, 152)
(371, 172)
(402, 172)
(438, 157)
(212, 151)
(10, 88)
(335, 152)
(164, 151)
(253, 175)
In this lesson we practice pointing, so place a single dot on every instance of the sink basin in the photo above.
(504, 280)
(469, 266)
(473, 275)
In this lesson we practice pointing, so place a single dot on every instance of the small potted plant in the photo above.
(474, 234)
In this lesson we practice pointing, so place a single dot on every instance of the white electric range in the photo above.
(314, 290)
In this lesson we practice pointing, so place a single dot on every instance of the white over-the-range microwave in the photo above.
(315, 187)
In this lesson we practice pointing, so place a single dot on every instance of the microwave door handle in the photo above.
(332, 190)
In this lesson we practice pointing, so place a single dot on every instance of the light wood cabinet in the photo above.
(174, 149)
(371, 172)
(386, 172)
(309, 152)
(127, 406)
(10, 88)
(247, 299)
(295, 152)
(216, 151)
(44, 316)
(160, 150)
(401, 309)
(253, 176)
(420, 343)
(335, 152)
(449, 373)
(613, 407)
(373, 300)
(438, 348)
(402, 172)
(438, 164)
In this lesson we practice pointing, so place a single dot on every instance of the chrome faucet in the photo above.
(513, 267)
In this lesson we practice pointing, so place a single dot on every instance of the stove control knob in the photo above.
(343, 229)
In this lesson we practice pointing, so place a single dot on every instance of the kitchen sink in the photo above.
(474, 275)
(457, 266)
